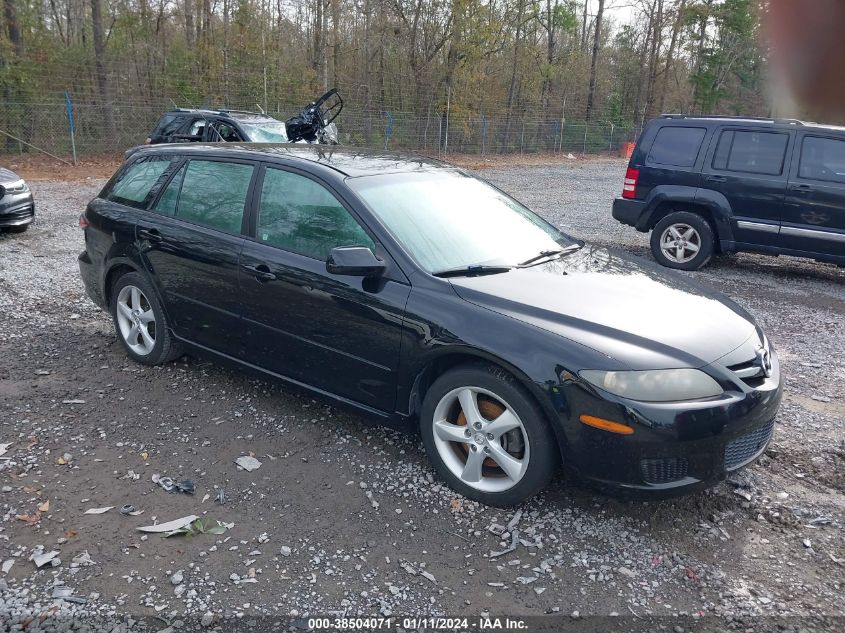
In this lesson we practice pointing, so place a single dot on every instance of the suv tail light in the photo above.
(629, 189)
(83, 222)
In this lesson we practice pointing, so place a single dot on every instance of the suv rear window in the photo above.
(676, 146)
(751, 152)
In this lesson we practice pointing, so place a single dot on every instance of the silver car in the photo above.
(17, 206)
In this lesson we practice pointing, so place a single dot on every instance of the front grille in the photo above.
(664, 470)
(745, 448)
(749, 372)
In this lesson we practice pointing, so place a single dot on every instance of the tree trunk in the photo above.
(103, 85)
(512, 88)
(654, 58)
(670, 55)
(189, 23)
(13, 27)
(591, 94)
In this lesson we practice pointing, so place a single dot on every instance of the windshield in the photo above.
(266, 132)
(449, 220)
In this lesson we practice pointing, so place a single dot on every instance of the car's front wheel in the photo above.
(682, 240)
(486, 437)
(140, 322)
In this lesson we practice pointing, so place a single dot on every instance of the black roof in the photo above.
(349, 161)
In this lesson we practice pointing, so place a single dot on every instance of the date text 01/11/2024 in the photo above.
(418, 623)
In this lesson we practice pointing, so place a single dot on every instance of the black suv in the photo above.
(211, 126)
(710, 185)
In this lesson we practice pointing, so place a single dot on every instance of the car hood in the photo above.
(7, 175)
(629, 310)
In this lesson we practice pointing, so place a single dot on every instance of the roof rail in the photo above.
(780, 121)
(231, 111)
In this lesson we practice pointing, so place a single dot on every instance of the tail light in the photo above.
(629, 189)
(83, 222)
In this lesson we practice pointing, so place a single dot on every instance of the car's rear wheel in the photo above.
(682, 240)
(17, 229)
(140, 322)
(486, 437)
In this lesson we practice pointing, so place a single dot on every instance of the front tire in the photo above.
(486, 437)
(682, 240)
(140, 322)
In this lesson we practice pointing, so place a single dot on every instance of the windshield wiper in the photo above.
(551, 253)
(478, 269)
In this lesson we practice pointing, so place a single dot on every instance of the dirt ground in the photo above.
(344, 518)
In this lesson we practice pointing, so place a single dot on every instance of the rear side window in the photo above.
(133, 186)
(212, 193)
(676, 146)
(822, 159)
(751, 152)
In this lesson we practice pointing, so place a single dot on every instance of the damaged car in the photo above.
(313, 125)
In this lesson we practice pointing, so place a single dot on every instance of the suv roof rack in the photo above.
(218, 111)
(780, 121)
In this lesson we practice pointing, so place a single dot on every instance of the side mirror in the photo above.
(354, 260)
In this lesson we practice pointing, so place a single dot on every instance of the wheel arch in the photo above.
(710, 205)
(446, 360)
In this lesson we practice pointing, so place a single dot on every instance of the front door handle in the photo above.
(260, 272)
(717, 179)
(151, 235)
(803, 188)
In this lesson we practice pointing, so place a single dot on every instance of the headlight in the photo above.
(659, 385)
(18, 186)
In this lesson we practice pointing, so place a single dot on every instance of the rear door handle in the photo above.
(151, 235)
(717, 179)
(803, 188)
(260, 272)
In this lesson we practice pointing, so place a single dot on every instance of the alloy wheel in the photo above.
(136, 320)
(680, 243)
(481, 439)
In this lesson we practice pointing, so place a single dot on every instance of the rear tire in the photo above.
(501, 453)
(140, 322)
(17, 229)
(682, 240)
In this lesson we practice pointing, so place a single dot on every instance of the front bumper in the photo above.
(628, 211)
(676, 447)
(17, 209)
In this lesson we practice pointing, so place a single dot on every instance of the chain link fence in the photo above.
(46, 127)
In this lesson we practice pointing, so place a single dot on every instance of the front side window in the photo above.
(676, 146)
(300, 215)
(213, 194)
(822, 159)
(197, 127)
(225, 132)
(751, 152)
(135, 183)
(449, 220)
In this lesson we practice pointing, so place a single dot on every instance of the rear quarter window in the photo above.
(134, 184)
(168, 126)
(676, 146)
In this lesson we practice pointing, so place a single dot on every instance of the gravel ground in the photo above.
(346, 518)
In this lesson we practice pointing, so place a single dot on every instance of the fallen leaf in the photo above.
(30, 490)
(98, 510)
(70, 533)
(145, 455)
(32, 442)
(44, 507)
(61, 461)
(35, 517)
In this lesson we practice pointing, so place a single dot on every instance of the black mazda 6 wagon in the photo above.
(423, 296)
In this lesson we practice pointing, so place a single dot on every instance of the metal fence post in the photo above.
(610, 145)
(522, 138)
(585, 138)
(388, 129)
(69, 109)
(483, 134)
